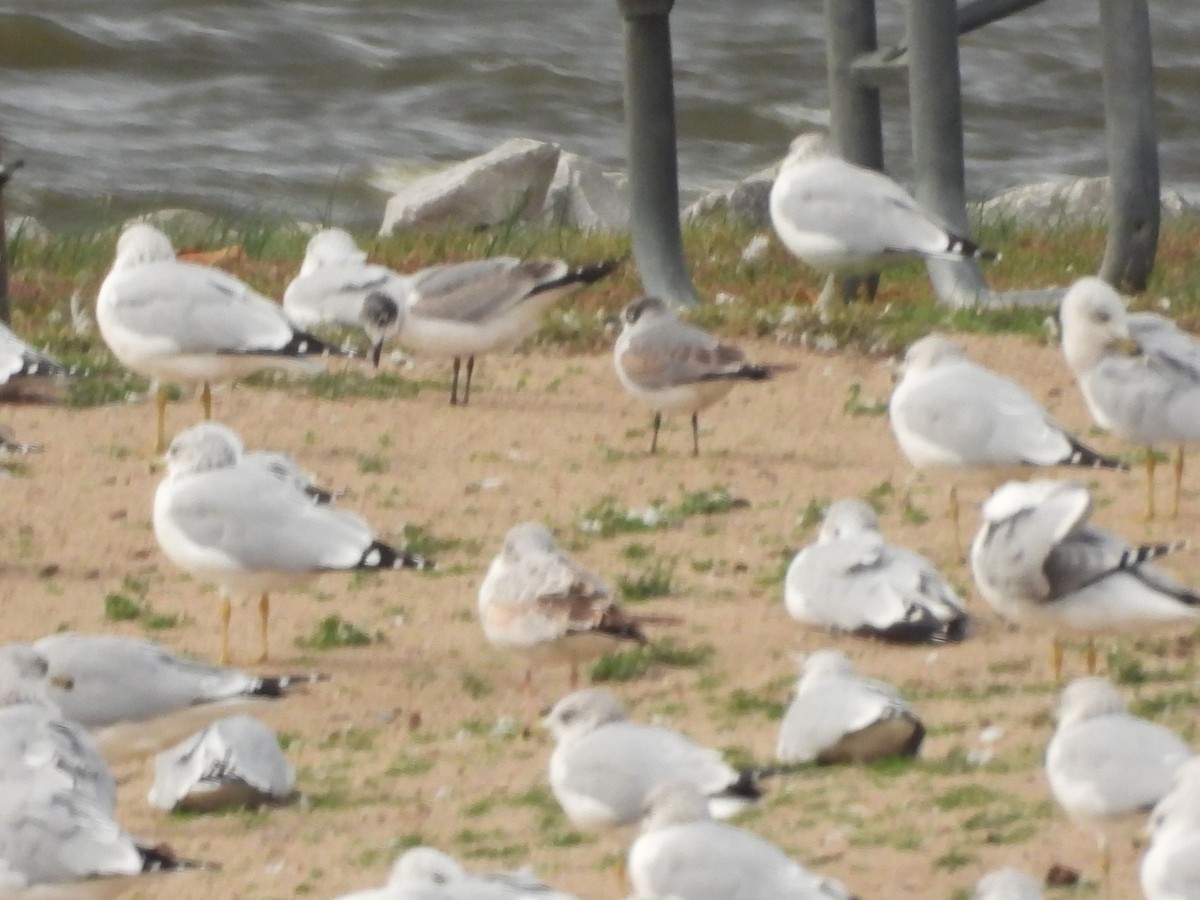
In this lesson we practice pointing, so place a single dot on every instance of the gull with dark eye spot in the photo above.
(676, 367)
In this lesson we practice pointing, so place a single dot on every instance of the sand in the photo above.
(413, 739)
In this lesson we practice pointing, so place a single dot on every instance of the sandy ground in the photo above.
(402, 746)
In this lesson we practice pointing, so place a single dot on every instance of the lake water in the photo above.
(304, 108)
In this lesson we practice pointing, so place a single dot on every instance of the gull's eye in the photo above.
(1103, 316)
(568, 715)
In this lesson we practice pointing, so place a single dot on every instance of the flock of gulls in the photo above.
(254, 523)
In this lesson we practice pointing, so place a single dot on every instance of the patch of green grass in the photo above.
(711, 502)
(475, 686)
(408, 765)
(421, 540)
(334, 631)
(607, 517)
(625, 665)
(338, 385)
(120, 608)
(855, 406)
(373, 464)
(742, 702)
(966, 795)
(636, 552)
(879, 494)
(813, 513)
(651, 582)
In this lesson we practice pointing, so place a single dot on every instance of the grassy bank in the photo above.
(769, 295)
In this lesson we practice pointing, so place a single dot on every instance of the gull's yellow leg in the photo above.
(1151, 463)
(1178, 480)
(206, 401)
(1090, 657)
(226, 615)
(1056, 659)
(264, 613)
(160, 401)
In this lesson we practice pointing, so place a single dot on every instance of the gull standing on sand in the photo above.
(837, 716)
(852, 580)
(485, 306)
(136, 696)
(239, 525)
(846, 220)
(682, 853)
(1171, 867)
(1151, 396)
(1103, 763)
(537, 600)
(949, 412)
(26, 373)
(605, 767)
(233, 763)
(423, 873)
(455, 310)
(1037, 560)
(1008, 884)
(185, 323)
(676, 367)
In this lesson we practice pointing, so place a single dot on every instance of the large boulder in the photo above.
(748, 200)
(582, 195)
(1064, 202)
(511, 179)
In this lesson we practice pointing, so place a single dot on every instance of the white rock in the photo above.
(747, 200)
(1055, 202)
(582, 195)
(513, 177)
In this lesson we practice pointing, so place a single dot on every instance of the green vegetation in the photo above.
(334, 631)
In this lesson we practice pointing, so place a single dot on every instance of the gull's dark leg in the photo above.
(695, 434)
(654, 440)
(454, 383)
(467, 389)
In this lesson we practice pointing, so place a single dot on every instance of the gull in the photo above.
(1007, 884)
(235, 762)
(423, 873)
(682, 853)
(485, 306)
(334, 280)
(181, 322)
(676, 367)
(1170, 869)
(239, 525)
(537, 600)
(136, 696)
(846, 220)
(1150, 397)
(26, 373)
(950, 412)
(1103, 763)
(34, 734)
(1037, 560)
(51, 833)
(852, 580)
(837, 716)
(605, 767)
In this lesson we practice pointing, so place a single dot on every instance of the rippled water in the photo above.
(304, 107)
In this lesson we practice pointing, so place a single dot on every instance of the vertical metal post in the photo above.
(6, 172)
(1131, 135)
(854, 118)
(935, 105)
(650, 141)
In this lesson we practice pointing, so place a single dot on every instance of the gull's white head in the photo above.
(847, 518)
(528, 537)
(675, 803)
(203, 447)
(807, 146)
(1007, 884)
(142, 243)
(330, 247)
(1088, 698)
(644, 309)
(825, 664)
(23, 677)
(423, 866)
(581, 712)
(1094, 323)
(1180, 808)
(929, 352)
